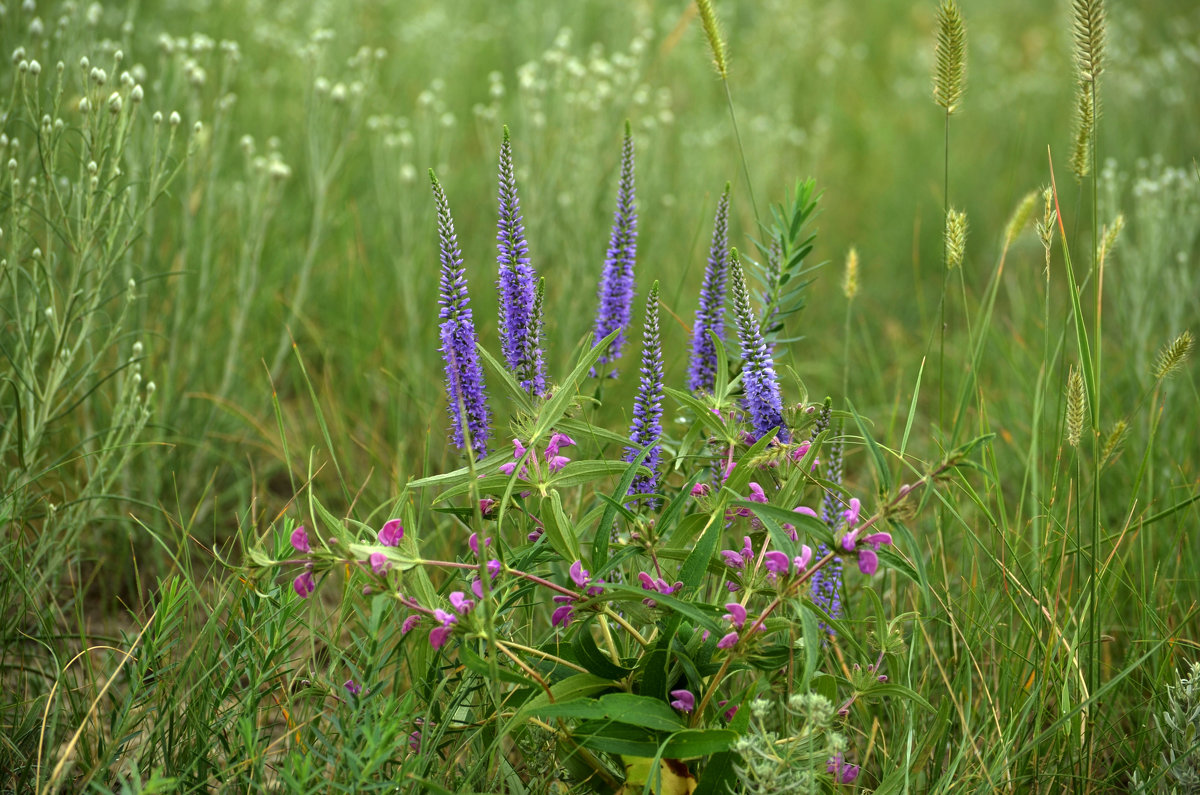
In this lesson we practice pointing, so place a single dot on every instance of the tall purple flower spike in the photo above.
(702, 370)
(646, 430)
(761, 387)
(464, 375)
(616, 283)
(517, 284)
(827, 581)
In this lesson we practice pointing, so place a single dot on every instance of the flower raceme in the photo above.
(616, 281)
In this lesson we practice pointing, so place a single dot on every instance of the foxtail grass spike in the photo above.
(1020, 217)
(646, 430)
(616, 282)
(465, 391)
(702, 370)
(1085, 128)
(950, 69)
(1076, 407)
(1108, 240)
(1173, 356)
(1089, 38)
(712, 31)
(956, 238)
(1113, 442)
(850, 277)
(759, 383)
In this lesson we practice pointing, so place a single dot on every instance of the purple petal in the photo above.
(379, 562)
(304, 585)
(391, 533)
(728, 642)
(300, 540)
(439, 635)
(683, 701)
(736, 614)
(776, 562)
(579, 574)
(868, 561)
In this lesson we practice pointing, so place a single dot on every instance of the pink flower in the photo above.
(875, 539)
(473, 542)
(868, 561)
(300, 540)
(842, 772)
(757, 494)
(701, 490)
(352, 687)
(304, 585)
(579, 574)
(804, 558)
(776, 562)
(683, 701)
(851, 513)
(728, 642)
(414, 742)
(487, 504)
(800, 451)
(557, 440)
(410, 623)
(557, 462)
(379, 562)
(562, 615)
(460, 602)
(732, 559)
(439, 635)
(736, 615)
(747, 550)
(391, 533)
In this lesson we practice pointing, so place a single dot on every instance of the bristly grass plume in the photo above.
(950, 52)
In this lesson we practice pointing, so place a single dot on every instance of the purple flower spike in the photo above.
(517, 284)
(761, 388)
(736, 615)
(702, 370)
(304, 585)
(300, 540)
(391, 533)
(616, 283)
(728, 642)
(683, 700)
(646, 430)
(827, 581)
(464, 376)
(777, 562)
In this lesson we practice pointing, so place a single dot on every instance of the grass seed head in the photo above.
(950, 51)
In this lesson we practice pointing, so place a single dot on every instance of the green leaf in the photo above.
(881, 467)
(693, 743)
(889, 689)
(559, 530)
(573, 687)
(633, 710)
(596, 661)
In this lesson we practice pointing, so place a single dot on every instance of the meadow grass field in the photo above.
(641, 397)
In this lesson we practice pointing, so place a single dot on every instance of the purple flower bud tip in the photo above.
(802, 560)
(804, 510)
(391, 533)
(300, 540)
(304, 585)
(379, 562)
(736, 614)
(728, 642)
(683, 701)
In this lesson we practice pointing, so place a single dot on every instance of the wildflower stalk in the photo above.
(763, 400)
(616, 281)
(710, 317)
(647, 409)
(716, 43)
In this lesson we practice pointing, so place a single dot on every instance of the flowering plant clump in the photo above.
(649, 596)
